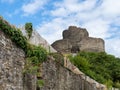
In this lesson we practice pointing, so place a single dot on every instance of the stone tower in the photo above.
(77, 39)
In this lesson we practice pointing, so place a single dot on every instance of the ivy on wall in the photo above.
(38, 52)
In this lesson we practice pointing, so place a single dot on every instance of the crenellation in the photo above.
(78, 39)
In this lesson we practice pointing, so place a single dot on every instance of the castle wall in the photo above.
(75, 34)
(12, 60)
(57, 77)
(78, 40)
(62, 45)
(92, 45)
(12, 63)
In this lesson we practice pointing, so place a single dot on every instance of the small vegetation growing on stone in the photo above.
(40, 83)
(29, 29)
(101, 67)
(14, 34)
(58, 58)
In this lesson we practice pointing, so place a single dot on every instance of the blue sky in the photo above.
(50, 17)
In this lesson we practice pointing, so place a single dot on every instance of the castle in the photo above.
(77, 39)
(53, 75)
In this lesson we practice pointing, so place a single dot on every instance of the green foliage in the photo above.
(40, 83)
(117, 84)
(102, 67)
(14, 33)
(29, 29)
(38, 52)
(58, 57)
(29, 67)
(80, 62)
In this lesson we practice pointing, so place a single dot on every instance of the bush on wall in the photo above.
(29, 29)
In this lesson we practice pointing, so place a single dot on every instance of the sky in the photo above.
(101, 18)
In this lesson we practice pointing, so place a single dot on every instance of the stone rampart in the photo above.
(77, 39)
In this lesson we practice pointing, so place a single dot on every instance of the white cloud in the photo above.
(97, 28)
(52, 30)
(68, 7)
(60, 12)
(97, 17)
(33, 6)
(111, 8)
(113, 46)
(8, 1)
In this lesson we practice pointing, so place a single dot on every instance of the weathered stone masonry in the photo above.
(54, 76)
(77, 39)
(11, 64)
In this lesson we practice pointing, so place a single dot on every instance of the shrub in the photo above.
(29, 29)
(80, 62)
(38, 52)
(40, 83)
(117, 84)
(101, 67)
